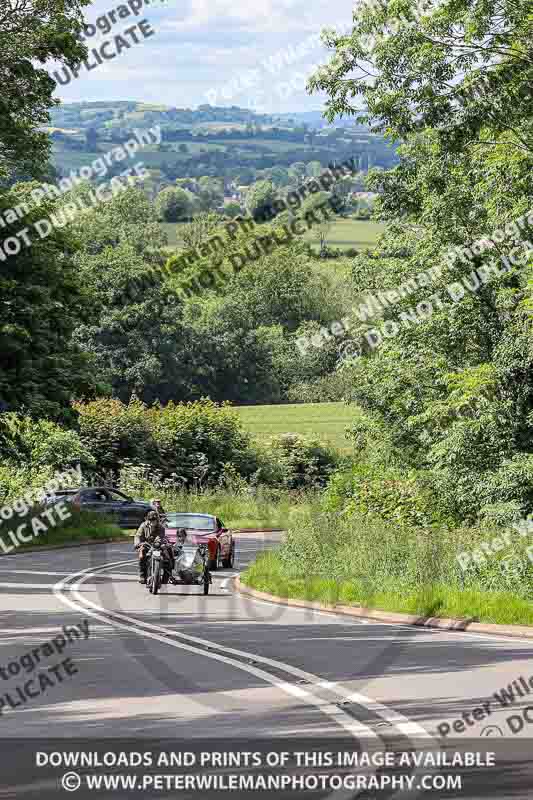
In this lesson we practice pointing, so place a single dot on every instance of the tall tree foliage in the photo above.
(453, 391)
(41, 301)
(30, 34)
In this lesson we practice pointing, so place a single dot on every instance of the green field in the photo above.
(345, 233)
(324, 421)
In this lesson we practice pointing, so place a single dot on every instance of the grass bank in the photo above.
(78, 528)
(240, 506)
(368, 563)
(268, 575)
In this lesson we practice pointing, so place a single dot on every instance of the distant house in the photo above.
(241, 193)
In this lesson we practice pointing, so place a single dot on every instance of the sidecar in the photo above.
(191, 565)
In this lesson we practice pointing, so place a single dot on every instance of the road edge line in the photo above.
(392, 617)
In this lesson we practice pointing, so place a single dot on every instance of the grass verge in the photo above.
(269, 574)
(238, 507)
(78, 528)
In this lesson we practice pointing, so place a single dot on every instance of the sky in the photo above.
(255, 54)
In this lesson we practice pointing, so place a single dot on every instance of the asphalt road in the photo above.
(227, 669)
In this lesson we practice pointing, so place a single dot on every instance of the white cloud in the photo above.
(204, 45)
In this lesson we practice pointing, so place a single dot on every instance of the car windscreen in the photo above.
(196, 521)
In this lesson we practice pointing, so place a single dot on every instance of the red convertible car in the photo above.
(204, 529)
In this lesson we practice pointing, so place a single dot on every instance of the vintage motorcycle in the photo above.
(190, 566)
(156, 567)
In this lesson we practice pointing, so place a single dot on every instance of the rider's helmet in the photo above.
(181, 536)
(152, 516)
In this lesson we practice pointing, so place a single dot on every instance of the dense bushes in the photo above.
(300, 462)
(399, 497)
(32, 451)
(194, 445)
(171, 440)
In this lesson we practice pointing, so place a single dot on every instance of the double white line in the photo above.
(68, 592)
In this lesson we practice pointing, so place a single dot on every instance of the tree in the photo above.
(322, 227)
(201, 228)
(41, 301)
(456, 68)
(30, 34)
(446, 369)
(279, 176)
(129, 217)
(232, 209)
(245, 333)
(136, 333)
(211, 192)
(174, 204)
(297, 172)
(260, 199)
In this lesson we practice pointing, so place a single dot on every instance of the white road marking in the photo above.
(370, 704)
(130, 624)
(26, 585)
(37, 631)
(31, 572)
(402, 723)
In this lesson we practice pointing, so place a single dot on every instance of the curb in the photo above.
(240, 531)
(82, 543)
(443, 623)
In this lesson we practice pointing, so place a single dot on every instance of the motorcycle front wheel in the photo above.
(156, 581)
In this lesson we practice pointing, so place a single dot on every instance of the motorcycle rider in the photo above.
(157, 505)
(147, 532)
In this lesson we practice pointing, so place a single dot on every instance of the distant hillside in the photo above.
(231, 143)
(315, 119)
(128, 114)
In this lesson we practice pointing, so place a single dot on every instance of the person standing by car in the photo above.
(147, 532)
